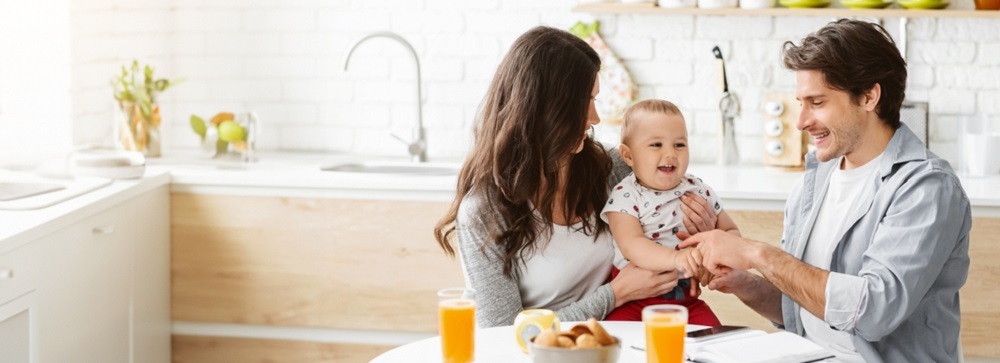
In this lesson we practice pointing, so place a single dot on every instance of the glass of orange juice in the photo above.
(665, 325)
(457, 323)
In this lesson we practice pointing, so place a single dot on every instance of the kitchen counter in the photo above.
(22, 226)
(299, 174)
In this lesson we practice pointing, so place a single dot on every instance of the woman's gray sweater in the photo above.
(498, 297)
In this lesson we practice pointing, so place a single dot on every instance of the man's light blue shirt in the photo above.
(901, 259)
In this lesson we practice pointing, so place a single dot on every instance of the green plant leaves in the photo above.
(198, 124)
(128, 92)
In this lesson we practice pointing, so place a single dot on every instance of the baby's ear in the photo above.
(626, 154)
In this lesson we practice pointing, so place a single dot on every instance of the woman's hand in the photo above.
(633, 283)
(698, 216)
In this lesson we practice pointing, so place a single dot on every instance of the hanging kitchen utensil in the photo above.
(618, 90)
(729, 106)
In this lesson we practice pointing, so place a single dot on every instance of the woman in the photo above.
(525, 211)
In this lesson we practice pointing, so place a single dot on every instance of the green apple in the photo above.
(231, 131)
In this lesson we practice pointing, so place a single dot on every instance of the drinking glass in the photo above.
(665, 327)
(251, 126)
(457, 323)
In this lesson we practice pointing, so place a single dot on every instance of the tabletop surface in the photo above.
(498, 344)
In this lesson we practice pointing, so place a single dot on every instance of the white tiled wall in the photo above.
(34, 80)
(284, 59)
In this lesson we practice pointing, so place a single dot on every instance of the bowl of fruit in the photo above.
(227, 133)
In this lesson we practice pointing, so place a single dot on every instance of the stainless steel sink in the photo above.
(395, 168)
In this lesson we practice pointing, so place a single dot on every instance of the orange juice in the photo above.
(665, 330)
(457, 322)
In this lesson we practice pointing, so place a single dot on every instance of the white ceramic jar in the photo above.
(716, 4)
(676, 4)
(757, 4)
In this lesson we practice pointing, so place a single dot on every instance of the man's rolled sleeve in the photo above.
(844, 297)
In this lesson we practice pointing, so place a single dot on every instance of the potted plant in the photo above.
(137, 120)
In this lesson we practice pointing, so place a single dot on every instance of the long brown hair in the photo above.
(531, 121)
(853, 56)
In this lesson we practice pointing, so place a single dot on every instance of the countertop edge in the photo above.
(35, 224)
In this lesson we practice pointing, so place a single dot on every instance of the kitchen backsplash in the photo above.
(284, 59)
(34, 80)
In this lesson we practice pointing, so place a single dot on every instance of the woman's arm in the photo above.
(634, 283)
(619, 169)
(498, 300)
(498, 297)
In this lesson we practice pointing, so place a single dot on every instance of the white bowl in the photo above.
(110, 164)
(605, 354)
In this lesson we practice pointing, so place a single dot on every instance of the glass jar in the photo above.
(137, 129)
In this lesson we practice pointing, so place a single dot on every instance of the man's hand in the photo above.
(732, 282)
(722, 252)
(752, 290)
(705, 277)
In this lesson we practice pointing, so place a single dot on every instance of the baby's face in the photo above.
(657, 150)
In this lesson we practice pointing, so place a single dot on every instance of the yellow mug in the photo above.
(530, 322)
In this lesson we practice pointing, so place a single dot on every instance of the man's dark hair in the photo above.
(853, 56)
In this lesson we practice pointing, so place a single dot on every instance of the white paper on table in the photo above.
(780, 347)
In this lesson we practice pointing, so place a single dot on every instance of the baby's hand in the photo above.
(688, 262)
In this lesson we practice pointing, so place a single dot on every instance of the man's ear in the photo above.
(626, 154)
(870, 99)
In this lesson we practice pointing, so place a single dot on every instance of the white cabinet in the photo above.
(85, 293)
(99, 289)
(20, 276)
(18, 329)
(151, 279)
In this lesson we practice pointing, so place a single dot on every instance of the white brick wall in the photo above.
(284, 59)
(35, 100)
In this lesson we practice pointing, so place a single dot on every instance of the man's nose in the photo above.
(804, 120)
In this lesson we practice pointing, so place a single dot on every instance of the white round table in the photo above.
(499, 345)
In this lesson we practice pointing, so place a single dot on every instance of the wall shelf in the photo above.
(651, 9)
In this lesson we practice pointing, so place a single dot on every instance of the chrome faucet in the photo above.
(418, 147)
(729, 106)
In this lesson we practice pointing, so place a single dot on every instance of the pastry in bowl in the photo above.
(583, 343)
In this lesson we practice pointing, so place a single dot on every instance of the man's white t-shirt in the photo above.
(845, 186)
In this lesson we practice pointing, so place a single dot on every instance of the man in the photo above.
(876, 235)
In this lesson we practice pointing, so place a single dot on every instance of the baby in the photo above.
(644, 210)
